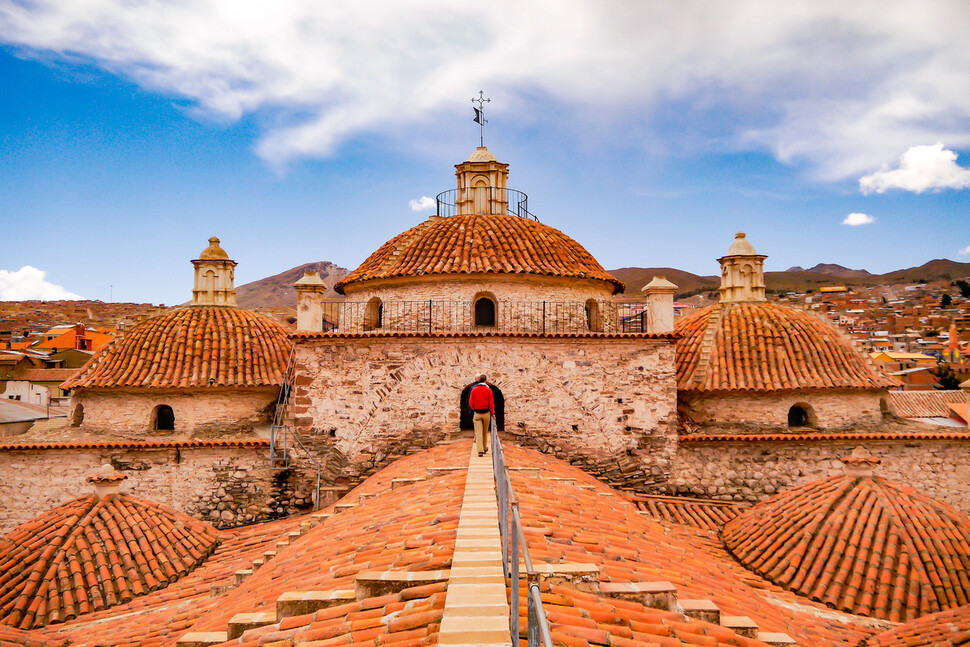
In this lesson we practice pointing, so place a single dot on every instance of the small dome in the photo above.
(477, 243)
(862, 545)
(741, 246)
(198, 346)
(92, 553)
(950, 628)
(213, 252)
(481, 154)
(768, 347)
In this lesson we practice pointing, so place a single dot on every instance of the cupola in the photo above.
(214, 277)
(742, 272)
(482, 184)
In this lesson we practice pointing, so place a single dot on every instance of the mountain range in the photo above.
(277, 290)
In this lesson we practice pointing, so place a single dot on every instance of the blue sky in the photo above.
(649, 132)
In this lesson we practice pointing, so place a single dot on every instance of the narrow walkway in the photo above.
(476, 607)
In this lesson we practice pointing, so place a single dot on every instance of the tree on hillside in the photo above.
(948, 380)
(964, 289)
(945, 300)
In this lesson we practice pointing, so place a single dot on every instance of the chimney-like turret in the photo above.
(742, 272)
(106, 481)
(309, 301)
(659, 293)
(214, 277)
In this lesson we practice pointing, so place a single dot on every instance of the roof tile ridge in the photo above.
(707, 345)
(916, 566)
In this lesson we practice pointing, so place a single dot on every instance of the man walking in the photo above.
(482, 404)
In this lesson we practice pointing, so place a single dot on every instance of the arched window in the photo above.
(484, 311)
(163, 418)
(801, 415)
(374, 315)
(77, 417)
(593, 322)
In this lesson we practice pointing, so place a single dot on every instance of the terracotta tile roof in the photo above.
(406, 619)
(10, 637)
(757, 438)
(90, 553)
(135, 444)
(763, 347)
(862, 545)
(192, 347)
(47, 374)
(307, 334)
(924, 404)
(697, 513)
(587, 523)
(480, 244)
(411, 528)
(949, 628)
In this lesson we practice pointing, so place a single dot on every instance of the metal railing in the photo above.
(280, 434)
(513, 541)
(485, 200)
(485, 315)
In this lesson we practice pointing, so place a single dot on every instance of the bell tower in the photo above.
(214, 277)
(742, 272)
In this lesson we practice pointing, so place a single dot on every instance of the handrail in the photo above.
(278, 416)
(513, 540)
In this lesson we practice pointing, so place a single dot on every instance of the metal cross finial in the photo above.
(480, 113)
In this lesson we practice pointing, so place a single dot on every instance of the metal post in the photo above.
(430, 314)
(543, 317)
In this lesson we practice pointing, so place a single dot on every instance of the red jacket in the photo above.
(481, 399)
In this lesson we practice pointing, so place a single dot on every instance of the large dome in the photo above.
(480, 244)
(196, 346)
(859, 544)
(761, 346)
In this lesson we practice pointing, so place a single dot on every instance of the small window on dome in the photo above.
(801, 415)
(77, 417)
(163, 418)
(484, 312)
(374, 315)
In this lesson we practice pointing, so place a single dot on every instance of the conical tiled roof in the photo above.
(92, 553)
(767, 347)
(197, 346)
(474, 244)
(862, 545)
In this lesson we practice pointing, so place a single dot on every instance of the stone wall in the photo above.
(590, 400)
(831, 408)
(754, 470)
(224, 485)
(195, 409)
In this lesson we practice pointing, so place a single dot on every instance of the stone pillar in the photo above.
(659, 293)
(309, 301)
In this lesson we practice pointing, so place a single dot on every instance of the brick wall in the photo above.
(754, 470)
(226, 486)
(591, 400)
(195, 409)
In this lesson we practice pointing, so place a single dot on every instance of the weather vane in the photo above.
(480, 113)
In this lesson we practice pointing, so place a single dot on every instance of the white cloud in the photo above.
(422, 204)
(964, 251)
(835, 84)
(856, 219)
(921, 168)
(29, 283)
